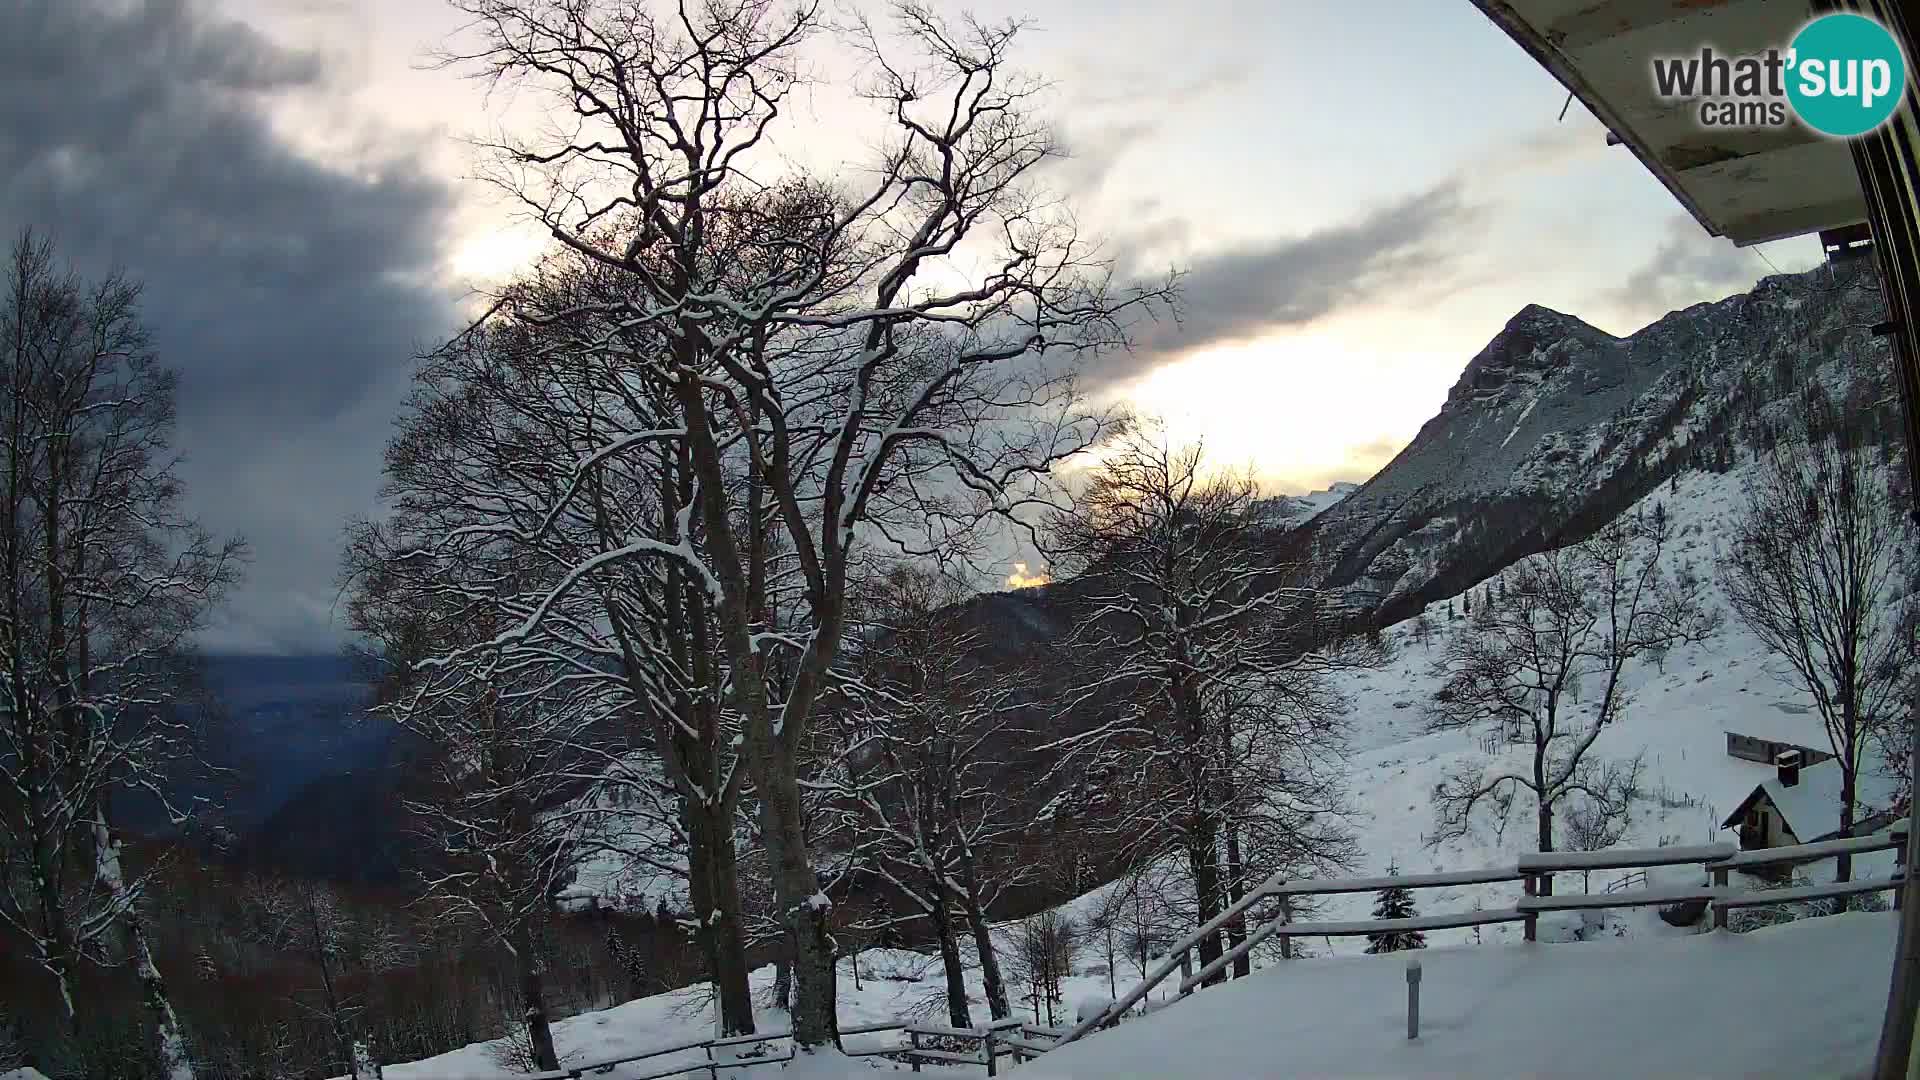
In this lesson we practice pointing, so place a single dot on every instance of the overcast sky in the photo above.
(1361, 203)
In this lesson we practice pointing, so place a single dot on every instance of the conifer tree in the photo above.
(1395, 902)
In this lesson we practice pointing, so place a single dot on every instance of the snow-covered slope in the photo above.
(1294, 510)
(1605, 1009)
(1803, 1000)
(1556, 426)
(1678, 716)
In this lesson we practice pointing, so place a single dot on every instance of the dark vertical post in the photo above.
(1896, 1030)
(1719, 912)
(1413, 997)
(1532, 921)
(1888, 164)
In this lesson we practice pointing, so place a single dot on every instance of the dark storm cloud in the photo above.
(1293, 282)
(290, 293)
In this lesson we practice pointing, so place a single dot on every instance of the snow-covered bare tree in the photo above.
(927, 796)
(515, 747)
(1204, 649)
(1548, 661)
(525, 439)
(1819, 568)
(865, 376)
(1045, 947)
(106, 583)
(309, 919)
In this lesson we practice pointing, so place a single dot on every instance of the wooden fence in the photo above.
(1535, 872)
(1016, 1041)
(1010, 1040)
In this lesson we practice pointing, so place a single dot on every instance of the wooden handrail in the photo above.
(1546, 862)
(1848, 845)
(1171, 961)
(1718, 858)
(1316, 887)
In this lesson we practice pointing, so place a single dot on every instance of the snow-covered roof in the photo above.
(1778, 725)
(1811, 807)
(24, 1073)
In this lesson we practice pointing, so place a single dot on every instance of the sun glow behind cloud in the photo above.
(1303, 409)
(1022, 579)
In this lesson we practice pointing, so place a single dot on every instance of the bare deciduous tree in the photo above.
(106, 583)
(1044, 949)
(863, 376)
(1206, 654)
(928, 794)
(308, 919)
(514, 749)
(1814, 568)
(1546, 661)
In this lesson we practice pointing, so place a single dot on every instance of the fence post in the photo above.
(1900, 869)
(1286, 916)
(986, 1043)
(1533, 917)
(1186, 971)
(1719, 910)
(1413, 997)
(713, 1071)
(914, 1056)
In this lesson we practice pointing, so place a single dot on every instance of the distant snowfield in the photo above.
(1803, 1000)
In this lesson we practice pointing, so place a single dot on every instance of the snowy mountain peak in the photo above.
(1556, 426)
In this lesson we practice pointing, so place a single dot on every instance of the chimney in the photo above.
(1788, 762)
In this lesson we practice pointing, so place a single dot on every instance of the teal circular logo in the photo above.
(1845, 75)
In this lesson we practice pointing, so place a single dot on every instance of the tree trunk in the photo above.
(995, 986)
(533, 995)
(1544, 822)
(1206, 889)
(714, 891)
(803, 907)
(783, 977)
(1542, 807)
(170, 1043)
(957, 1012)
(1236, 889)
(770, 751)
(58, 944)
(1843, 866)
(169, 1039)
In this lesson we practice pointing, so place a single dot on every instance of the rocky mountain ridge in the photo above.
(1556, 427)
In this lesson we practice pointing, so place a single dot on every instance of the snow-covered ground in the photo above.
(1661, 1002)
(1677, 717)
(892, 984)
(1801, 1000)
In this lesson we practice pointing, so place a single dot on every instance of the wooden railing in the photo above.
(1536, 873)
(1018, 1041)
(1010, 1038)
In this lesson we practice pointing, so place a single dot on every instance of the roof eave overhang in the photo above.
(1810, 185)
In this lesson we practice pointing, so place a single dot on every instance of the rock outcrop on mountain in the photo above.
(1556, 427)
